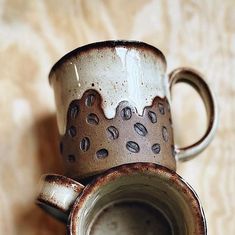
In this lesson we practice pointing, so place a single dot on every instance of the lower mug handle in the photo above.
(196, 80)
(57, 195)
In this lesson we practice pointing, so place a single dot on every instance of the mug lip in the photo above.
(150, 169)
(101, 45)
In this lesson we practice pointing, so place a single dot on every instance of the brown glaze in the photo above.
(66, 182)
(92, 143)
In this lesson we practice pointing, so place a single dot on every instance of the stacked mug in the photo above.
(114, 118)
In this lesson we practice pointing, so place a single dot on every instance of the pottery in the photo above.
(113, 107)
(137, 198)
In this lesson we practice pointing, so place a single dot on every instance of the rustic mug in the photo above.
(136, 198)
(113, 107)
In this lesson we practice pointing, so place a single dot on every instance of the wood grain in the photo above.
(34, 34)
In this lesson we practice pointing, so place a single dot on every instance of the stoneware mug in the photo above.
(136, 198)
(113, 107)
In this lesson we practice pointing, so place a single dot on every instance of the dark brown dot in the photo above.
(92, 84)
(61, 147)
(102, 153)
(140, 129)
(112, 132)
(72, 131)
(71, 158)
(92, 119)
(132, 147)
(161, 108)
(152, 116)
(90, 100)
(126, 113)
(85, 144)
(164, 133)
(74, 110)
(156, 148)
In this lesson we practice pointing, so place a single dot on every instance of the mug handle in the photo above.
(196, 80)
(57, 194)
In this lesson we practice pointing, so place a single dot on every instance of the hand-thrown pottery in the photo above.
(113, 107)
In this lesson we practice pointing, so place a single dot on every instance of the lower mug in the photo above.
(137, 198)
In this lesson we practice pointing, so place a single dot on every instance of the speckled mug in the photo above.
(113, 107)
(137, 198)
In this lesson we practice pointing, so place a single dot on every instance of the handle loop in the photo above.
(57, 195)
(196, 80)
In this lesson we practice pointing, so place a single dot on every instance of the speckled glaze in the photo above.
(130, 199)
(118, 70)
(113, 107)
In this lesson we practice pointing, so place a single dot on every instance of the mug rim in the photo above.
(150, 169)
(109, 44)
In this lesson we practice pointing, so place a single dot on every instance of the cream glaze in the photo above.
(118, 73)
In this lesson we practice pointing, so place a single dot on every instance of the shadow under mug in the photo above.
(137, 198)
(113, 107)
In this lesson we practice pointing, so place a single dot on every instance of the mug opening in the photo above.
(102, 45)
(134, 201)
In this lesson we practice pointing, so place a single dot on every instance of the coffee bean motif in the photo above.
(152, 116)
(164, 133)
(74, 111)
(112, 132)
(132, 147)
(85, 144)
(93, 119)
(161, 108)
(90, 100)
(72, 131)
(156, 148)
(102, 153)
(71, 158)
(140, 129)
(103, 136)
(126, 113)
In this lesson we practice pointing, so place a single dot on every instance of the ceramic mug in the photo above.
(137, 198)
(113, 107)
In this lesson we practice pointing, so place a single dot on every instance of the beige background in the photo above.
(34, 34)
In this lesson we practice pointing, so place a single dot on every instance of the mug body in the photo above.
(112, 101)
(139, 198)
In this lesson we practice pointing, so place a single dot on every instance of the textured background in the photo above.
(34, 34)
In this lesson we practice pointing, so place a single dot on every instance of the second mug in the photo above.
(113, 107)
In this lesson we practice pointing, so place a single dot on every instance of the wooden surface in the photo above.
(34, 34)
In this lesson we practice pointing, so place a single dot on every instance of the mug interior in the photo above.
(137, 199)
